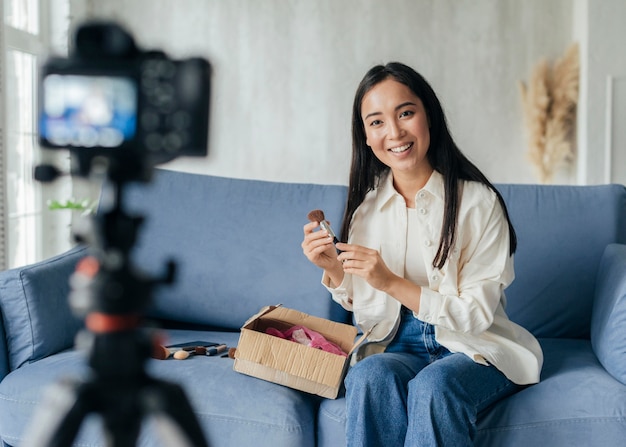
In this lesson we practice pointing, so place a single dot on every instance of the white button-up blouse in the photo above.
(464, 299)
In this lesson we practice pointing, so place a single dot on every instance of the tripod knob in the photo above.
(47, 173)
(170, 273)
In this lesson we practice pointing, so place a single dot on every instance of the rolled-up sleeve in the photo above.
(342, 294)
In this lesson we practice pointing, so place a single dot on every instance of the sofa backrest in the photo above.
(562, 233)
(236, 243)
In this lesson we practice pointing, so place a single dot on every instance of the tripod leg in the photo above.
(56, 422)
(174, 417)
(122, 413)
(125, 435)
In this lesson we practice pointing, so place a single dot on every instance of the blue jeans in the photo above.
(417, 393)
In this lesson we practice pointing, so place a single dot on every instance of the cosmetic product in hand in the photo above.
(318, 216)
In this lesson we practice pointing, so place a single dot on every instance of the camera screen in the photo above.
(88, 111)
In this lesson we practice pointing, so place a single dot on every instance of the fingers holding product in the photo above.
(318, 246)
(366, 263)
(318, 216)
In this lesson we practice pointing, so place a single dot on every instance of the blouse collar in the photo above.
(385, 191)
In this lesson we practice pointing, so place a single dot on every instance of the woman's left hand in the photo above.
(366, 263)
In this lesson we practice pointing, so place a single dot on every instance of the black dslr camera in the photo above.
(111, 103)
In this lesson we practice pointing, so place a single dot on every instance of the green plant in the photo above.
(85, 206)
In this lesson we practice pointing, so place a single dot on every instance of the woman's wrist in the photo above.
(405, 291)
(335, 275)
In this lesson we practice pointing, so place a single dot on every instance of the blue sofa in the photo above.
(237, 245)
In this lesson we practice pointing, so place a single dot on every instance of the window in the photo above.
(29, 232)
(23, 15)
(23, 201)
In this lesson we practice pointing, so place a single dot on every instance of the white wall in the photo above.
(602, 134)
(286, 72)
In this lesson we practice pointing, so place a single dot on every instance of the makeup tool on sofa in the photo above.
(182, 351)
(318, 216)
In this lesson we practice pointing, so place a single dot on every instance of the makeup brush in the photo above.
(187, 352)
(160, 352)
(318, 216)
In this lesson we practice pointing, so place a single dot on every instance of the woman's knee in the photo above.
(365, 371)
(380, 371)
(438, 381)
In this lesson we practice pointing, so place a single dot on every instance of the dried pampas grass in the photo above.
(549, 106)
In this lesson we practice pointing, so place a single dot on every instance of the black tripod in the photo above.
(112, 294)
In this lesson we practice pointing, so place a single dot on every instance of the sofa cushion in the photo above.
(608, 322)
(236, 243)
(576, 403)
(562, 232)
(233, 409)
(35, 309)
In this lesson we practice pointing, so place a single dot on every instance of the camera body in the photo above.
(121, 108)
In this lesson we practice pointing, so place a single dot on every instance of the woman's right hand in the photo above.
(318, 247)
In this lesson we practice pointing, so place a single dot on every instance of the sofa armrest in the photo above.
(608, 319)
(36, 315)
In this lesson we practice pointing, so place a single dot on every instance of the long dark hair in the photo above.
(443, 154)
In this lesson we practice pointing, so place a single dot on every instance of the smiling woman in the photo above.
(450, 350)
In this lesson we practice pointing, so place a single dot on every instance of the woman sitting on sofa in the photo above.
(429, 254)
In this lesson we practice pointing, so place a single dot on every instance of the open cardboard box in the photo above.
(292, 364)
